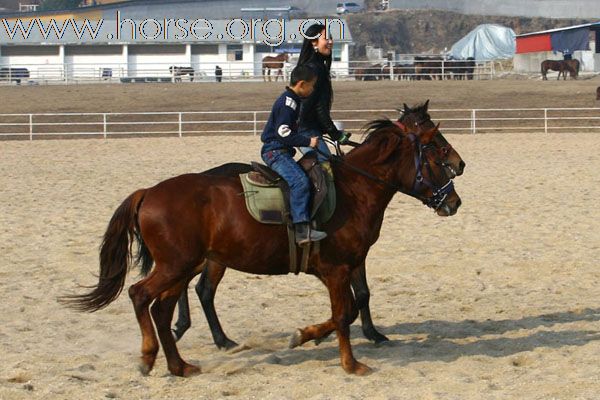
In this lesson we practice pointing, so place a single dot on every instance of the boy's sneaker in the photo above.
(304, 234)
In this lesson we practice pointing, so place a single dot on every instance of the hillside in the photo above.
(422, 31)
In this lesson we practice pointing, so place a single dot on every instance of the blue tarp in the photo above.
(571, 40)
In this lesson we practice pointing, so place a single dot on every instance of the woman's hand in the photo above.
(314, 142)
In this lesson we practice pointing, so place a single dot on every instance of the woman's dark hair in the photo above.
(302, 73)
(308, 55)
(308, 51)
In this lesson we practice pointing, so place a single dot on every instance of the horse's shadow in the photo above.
(447, 341)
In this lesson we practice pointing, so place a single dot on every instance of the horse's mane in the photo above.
(374, 129)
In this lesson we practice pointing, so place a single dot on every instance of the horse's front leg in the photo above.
(344, 312)
(184, 320)
(362, 297)
(206, 290)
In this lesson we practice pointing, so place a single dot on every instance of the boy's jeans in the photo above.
(309, 132)
(283, 163)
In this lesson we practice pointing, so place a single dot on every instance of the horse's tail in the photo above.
(115, 257)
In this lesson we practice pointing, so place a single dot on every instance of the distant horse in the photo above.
(367, 73)
(574, 67)
(13, 74)
(184, 221)
(416, 119)
(561, 66)
(274, 62)
(460, 69)
(178, 72)
(428, 68)
(598, 93)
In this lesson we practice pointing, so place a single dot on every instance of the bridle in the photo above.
(442, 151)
(439, 193)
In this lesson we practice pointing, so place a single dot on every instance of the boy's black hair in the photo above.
(302, 73)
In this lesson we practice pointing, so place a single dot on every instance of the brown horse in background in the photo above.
(274, 62)
(184, 221)
(416, 120)
(562, 66)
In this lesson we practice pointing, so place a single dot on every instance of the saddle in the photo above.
(267, 198)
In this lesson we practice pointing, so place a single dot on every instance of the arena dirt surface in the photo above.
(498, 302)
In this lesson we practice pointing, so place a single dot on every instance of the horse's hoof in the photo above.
(144, 368)
(358, 368)
(227, 345)
(377, 337)
(361, 369)
(296, 339)
(191, 370)
(185, 370)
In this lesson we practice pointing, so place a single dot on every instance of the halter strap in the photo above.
(400, 125)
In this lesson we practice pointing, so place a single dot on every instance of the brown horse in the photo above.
(274, 62)
(561, 66)
(184, 221)
(416, 119)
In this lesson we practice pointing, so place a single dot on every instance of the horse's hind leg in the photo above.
(162, 312)
(142, 294)
(206, 290)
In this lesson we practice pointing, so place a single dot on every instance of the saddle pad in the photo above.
(266, 204)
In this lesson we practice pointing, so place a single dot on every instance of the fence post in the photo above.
(473, 121)
(255, 123)
(391, 70)
(443, 70)
(545, 120)
(30, 126)
(180, 130)
(104, 124)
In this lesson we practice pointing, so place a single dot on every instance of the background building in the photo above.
(581, 41)
(135, 40)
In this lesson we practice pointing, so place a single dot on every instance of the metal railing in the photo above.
(238, 71)
(104, 125)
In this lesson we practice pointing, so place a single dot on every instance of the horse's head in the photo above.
(414, 164)
(417, 119)
(432, 183)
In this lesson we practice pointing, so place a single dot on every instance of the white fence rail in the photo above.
(239, 71)
(104, 125)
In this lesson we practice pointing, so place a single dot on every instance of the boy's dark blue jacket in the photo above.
(281, 131)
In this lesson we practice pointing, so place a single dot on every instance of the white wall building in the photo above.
(130, 46)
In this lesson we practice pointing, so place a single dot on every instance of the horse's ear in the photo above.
(406, 109)
(426, 105)
(427, 136)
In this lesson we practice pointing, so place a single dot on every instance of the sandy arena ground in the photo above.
(499, 301)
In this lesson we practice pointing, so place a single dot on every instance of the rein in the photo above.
(439, 194)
